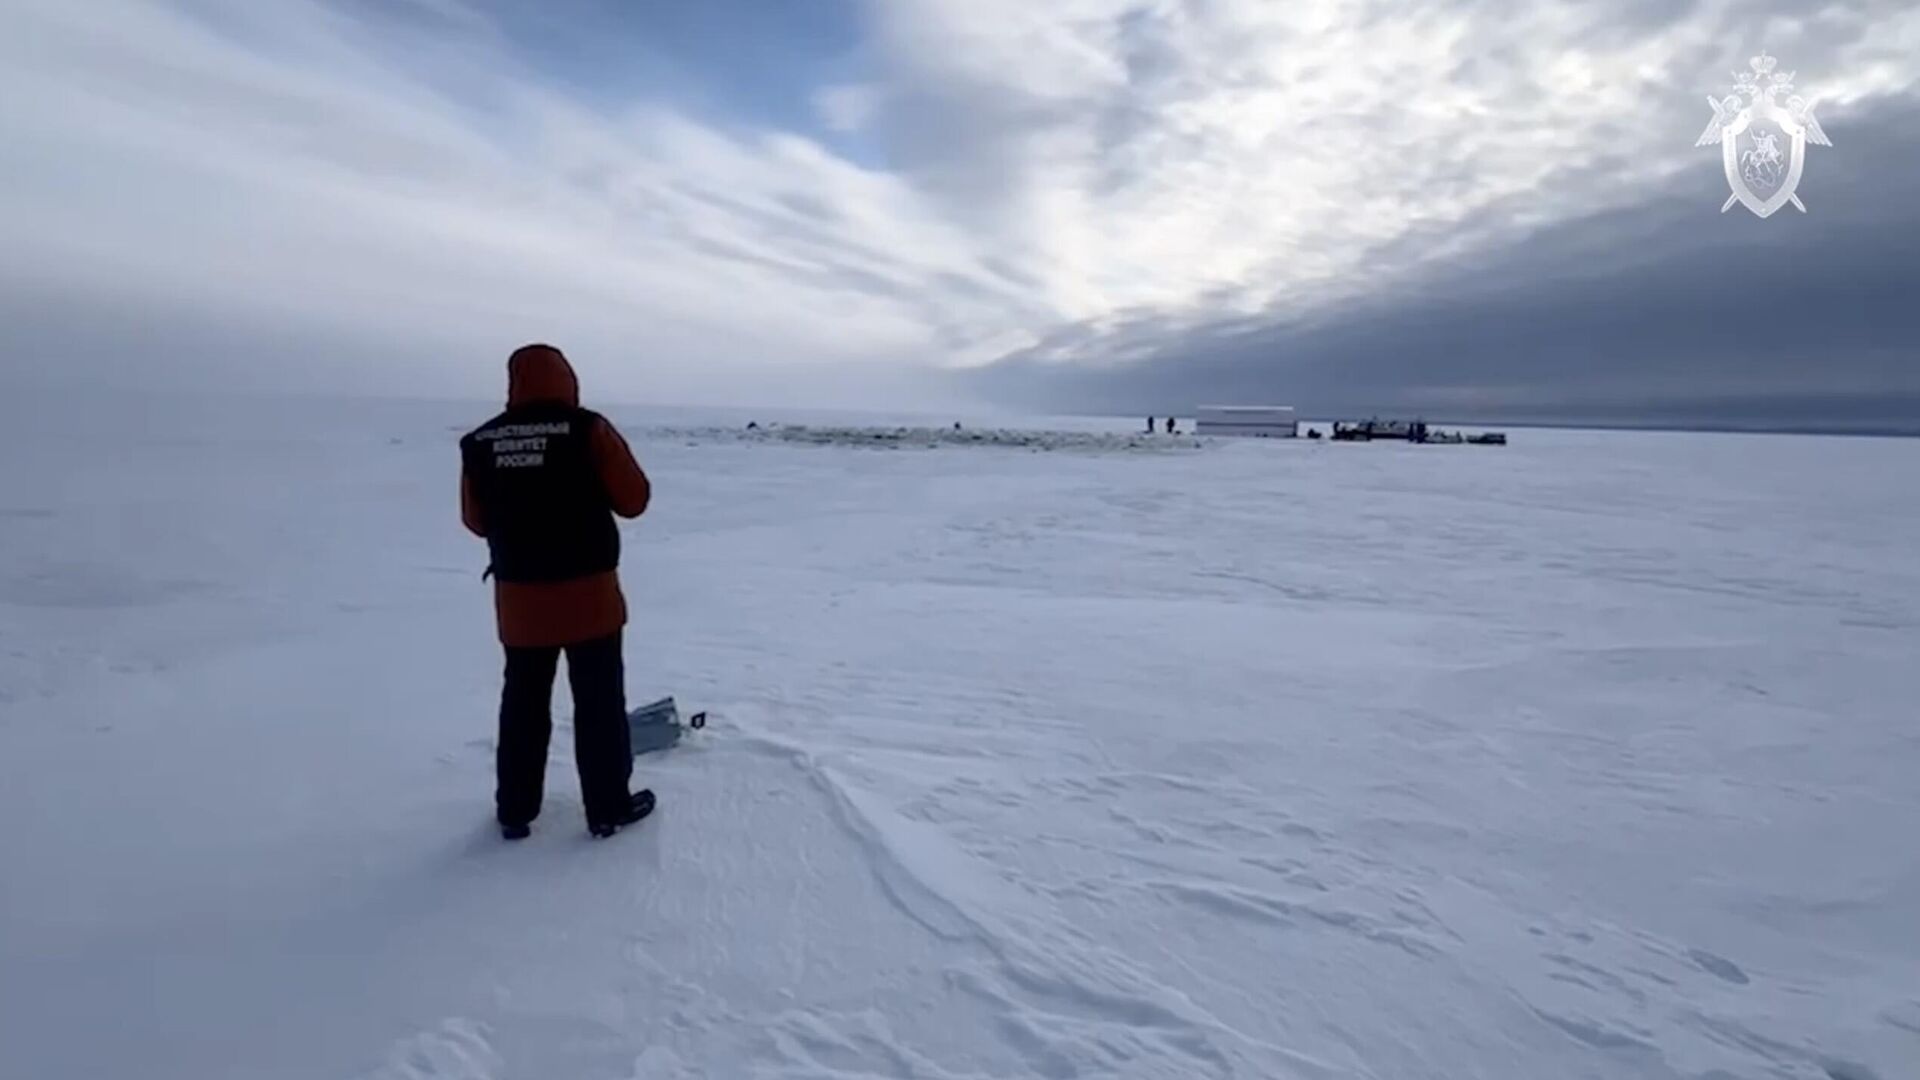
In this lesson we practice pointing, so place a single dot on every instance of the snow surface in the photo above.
(1592, 756)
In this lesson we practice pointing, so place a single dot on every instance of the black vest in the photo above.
(545, 511)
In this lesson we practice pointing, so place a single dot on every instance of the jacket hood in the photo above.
(540, 373)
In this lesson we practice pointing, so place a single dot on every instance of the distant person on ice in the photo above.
(541, 483)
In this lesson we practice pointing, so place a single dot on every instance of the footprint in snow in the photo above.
(1718, 966)
(456, 1050)
(1906, 1016)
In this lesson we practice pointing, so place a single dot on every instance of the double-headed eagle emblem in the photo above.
(1763, 129)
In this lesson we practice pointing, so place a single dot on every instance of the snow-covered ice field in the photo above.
(1593, 756)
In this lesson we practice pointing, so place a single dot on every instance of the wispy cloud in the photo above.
(1029, 178)
(297, 162)
(1246, 155)
(848, 107)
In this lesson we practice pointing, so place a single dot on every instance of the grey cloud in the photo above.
(1662, 312)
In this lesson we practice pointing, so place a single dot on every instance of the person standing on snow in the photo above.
(541, 483)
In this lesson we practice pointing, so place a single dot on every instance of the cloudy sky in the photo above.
(1466, 207)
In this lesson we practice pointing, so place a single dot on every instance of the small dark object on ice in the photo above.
(641, 806)
(657, 725)
(515, 832)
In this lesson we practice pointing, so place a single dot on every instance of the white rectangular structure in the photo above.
(1255, 421)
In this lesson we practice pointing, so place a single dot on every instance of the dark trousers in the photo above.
(602, 750)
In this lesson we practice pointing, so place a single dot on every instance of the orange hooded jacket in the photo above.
(544, 614)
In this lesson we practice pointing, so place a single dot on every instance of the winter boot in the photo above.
(640, 807)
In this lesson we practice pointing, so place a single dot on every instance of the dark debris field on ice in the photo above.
(890, 437)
